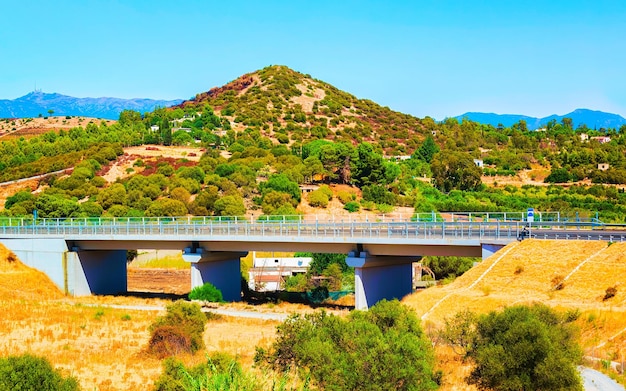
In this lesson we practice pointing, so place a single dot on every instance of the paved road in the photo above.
(596, 381)
(220, 311)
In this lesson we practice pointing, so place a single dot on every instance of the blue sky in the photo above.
(436, 58)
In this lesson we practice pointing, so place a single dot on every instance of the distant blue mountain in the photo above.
(593, 119)
(35, 103)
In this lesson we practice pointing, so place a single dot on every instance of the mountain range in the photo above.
(37, 102)
(591, 118)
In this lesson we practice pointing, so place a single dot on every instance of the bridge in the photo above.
(88, 255)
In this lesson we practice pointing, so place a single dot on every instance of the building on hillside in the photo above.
(584, 137)
(154, 128)
(479, 163)
(399, 158)
(308, 188)
(602, 139)
(603, 166)
(269, 274)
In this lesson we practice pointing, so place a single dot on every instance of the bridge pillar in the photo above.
(380, 277)
(100, 272)
(488, 249)
(222, 269)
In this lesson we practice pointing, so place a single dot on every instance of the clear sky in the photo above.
(438, 58)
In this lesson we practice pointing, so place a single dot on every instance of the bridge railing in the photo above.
(191, 227)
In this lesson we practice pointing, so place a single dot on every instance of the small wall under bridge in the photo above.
(90, 267)
(74, 271)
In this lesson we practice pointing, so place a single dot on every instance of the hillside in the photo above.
(20, 282)
(278, 142)
(530, 271)
(580, 117)
(282, 101)
(38, 103)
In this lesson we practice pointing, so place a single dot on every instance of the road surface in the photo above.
(596, 381)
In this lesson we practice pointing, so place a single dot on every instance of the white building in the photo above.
(269, 274)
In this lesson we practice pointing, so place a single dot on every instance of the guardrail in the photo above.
(242, 230)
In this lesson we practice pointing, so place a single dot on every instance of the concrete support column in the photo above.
(222, 269)
(488, 249)
(100, 272)
(380, 277)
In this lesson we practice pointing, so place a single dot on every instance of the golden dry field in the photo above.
(572, 275)
(102, 346)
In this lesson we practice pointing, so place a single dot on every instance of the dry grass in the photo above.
(525, 275)
(101, 346)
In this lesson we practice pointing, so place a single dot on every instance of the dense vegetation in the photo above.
(380, 349)
(29, 372)
(519, 348)
(282, 129)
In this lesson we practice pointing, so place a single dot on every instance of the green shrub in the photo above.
(525, 348)
(28, 372)
(352, 206)
(325, 189)
(346, 196)
(179, 330)
(221, 372)
(380, 349)
(206, 292)
(384, 208)
(318, 199)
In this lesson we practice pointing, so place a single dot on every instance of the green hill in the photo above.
(267, 134)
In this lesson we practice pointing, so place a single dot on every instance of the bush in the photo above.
(380, 349)
(610, 292)
(206, 292)
(169, 334)
(525, 348)
(352, 206)
(345, 197)
(28, 372)
(221, 372)
(167, 341)
(318, 199)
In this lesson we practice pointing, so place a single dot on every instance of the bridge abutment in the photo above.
(222, 269)
(380, 277)
(489, 249)
(74, 271)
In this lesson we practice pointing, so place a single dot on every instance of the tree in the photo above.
(29, 372)
(368, 167)
(128, 117)
(230, 206)
(166, 207)
(525, 348)
(567, 123)
(559, 175)
(427, 150)
(273, 201)
(448, 266)
(455, 170)
(50, 112)
(380, 349)
(55, 206)
(280, 182)
(321, 261)
(166, 132)
(113, 195)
